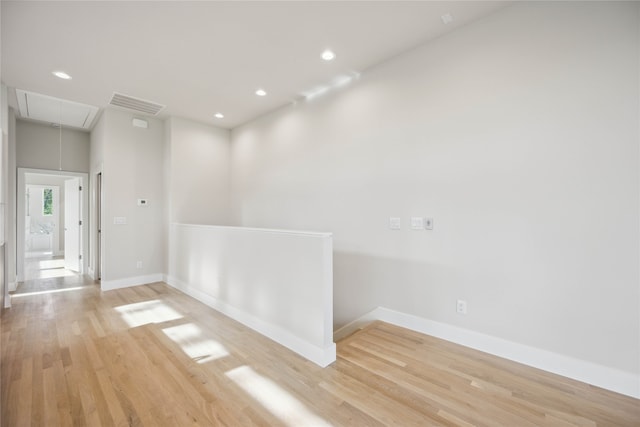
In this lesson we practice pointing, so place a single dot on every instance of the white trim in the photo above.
(91, 273)
(13, 286)
(108, 285)
(262, 230)
(318, 355)
(20, 196)
(608, 378)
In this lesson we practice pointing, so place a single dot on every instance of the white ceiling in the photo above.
(203, 57)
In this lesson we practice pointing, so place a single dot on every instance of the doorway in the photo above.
(51, 224)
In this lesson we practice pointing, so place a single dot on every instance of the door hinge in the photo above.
(79, 256)
(79, 222)
(80, 188)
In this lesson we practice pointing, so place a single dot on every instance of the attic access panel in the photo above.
(44, 108)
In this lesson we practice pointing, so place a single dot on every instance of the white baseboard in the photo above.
(318, 355)
(605, 377)
(108, 285)
(356, 325)
(91, 273)
(13, 285)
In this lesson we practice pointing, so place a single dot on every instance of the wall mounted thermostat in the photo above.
(143, 202)
(140, 123)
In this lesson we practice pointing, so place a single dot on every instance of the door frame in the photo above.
(97, 274)
(72, 246)
(20, 215)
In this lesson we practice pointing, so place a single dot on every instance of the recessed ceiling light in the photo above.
(447, 18)
(61, 75)
(328, 55)
(261, 92)
(219, 116)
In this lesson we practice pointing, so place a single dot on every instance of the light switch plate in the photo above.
(417, 223)
(394, 223)
(119, 220)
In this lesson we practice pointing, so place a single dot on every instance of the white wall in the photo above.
(519, 135)
(197, 172)
(132, 167)
(38, 147)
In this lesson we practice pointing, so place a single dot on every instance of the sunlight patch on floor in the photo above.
(53, 291)
(38, 254)
(51, 273)
(274, 398)
(189, 338)
(146, 312)
(47, 264)
(46, 268)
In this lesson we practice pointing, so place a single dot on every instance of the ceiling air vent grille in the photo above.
(136, 104)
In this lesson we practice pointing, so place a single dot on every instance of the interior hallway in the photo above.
(44, 272)
(150, 355)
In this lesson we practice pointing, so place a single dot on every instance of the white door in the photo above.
(72, 224)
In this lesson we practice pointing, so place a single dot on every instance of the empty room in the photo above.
(320, 213)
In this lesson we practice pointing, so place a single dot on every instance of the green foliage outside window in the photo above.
(47, 205)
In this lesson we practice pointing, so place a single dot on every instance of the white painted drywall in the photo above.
(38, 147)
(132, 167)
(276, 281)
(519, 135)
(198, 172)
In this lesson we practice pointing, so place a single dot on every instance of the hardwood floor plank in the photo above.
(61, 395)
(25, 393)
(377, 404)
(401, 396)
(51, 417)
(73, 382)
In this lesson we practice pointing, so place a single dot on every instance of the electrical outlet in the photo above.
(461, 307)
(139, 264)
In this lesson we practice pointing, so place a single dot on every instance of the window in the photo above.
(47, 201)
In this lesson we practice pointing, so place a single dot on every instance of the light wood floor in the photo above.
(152, 356)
